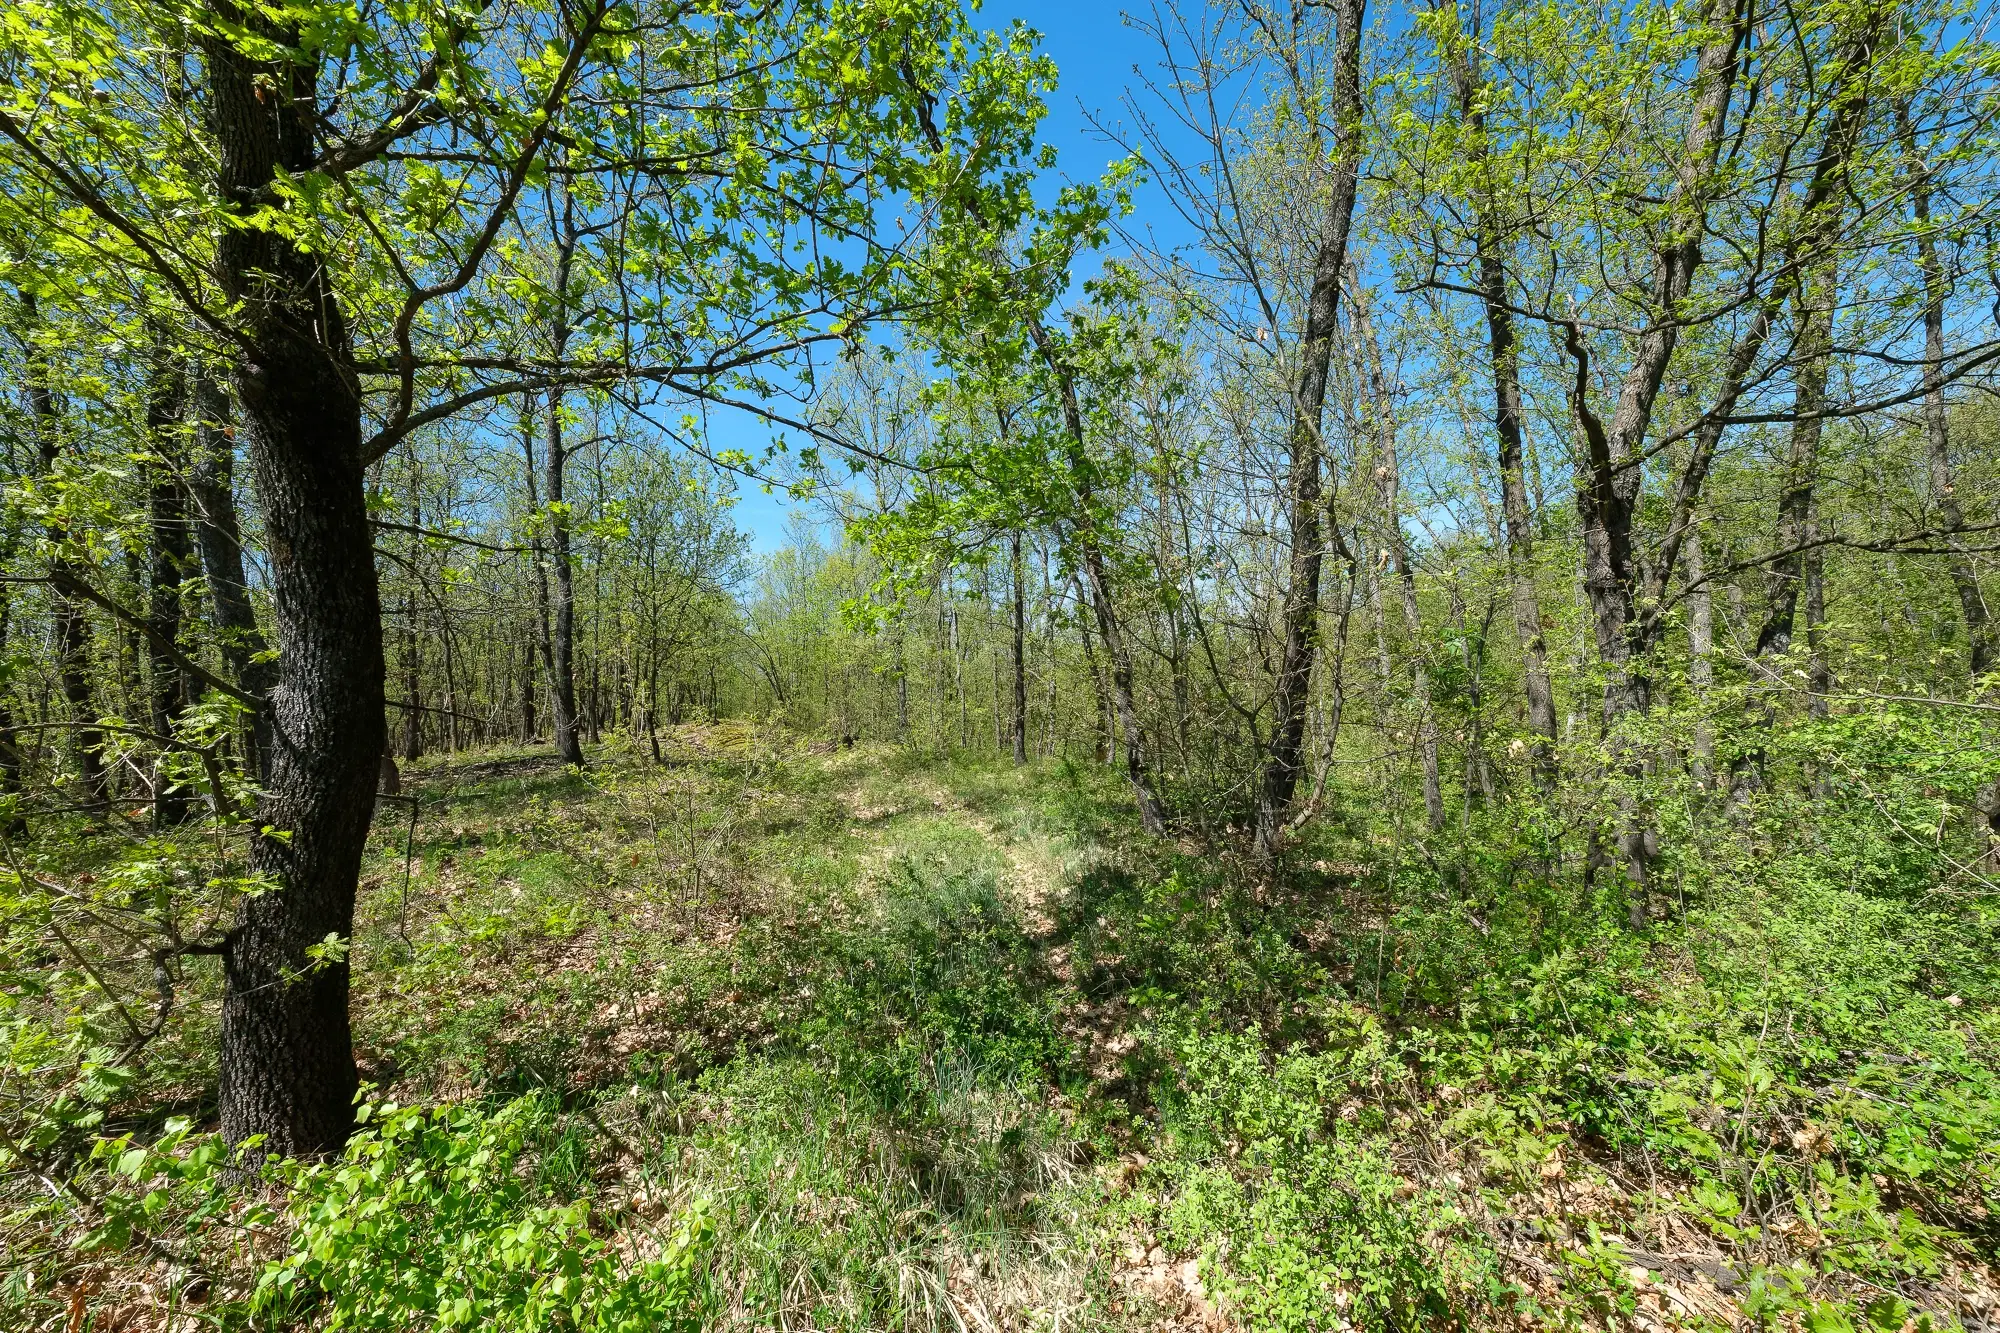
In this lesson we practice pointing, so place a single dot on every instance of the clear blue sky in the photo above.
(1094, 52)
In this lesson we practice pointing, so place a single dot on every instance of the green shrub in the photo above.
(431, 1219)
(1304, 1224)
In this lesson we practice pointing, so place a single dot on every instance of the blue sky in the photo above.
(1094, 51)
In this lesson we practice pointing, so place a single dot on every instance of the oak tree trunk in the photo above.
(287, 1062)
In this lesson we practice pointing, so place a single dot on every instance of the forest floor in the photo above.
(869, 1040)
(824, 989)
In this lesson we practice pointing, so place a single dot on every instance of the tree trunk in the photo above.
(902, 685)
(1981, 643)
(1096, 574)
(1298, 635)
(1388, 472)
(1100, 696)
(71, 628)
(173, 562)
(1138, 755)
(1020, 654)
(1509, 428)
(528, 720)
(562, 636)
(413, 679)
(1701, 660)
(1786, 577)
(212, 487)
(561, 664)
(13, 822)
(1819, 670)
(287, 1060)
(1608, 475)
(544, 639)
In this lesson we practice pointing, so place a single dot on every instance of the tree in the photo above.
(353, 299)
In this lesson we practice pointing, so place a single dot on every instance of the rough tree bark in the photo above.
(287, 1061)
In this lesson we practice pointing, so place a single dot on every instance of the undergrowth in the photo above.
(766, 1038)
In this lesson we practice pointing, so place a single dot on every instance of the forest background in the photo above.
(1410, 669)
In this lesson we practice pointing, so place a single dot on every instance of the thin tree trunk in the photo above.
(1701, 649)
(413, 656)
(562, 637)
(1048, 747)
(212, 487)
(1336, 673)
(1608, 482)
(1298, 636)
(902, 685)
(13, 821)
(450, 657)
(562, 668)
(1786, 578)
(413, 680)
(173, 562)
(1478, 771)
(1020, 653)
(71, 627)
(527, 708)
(544, 639)
(1388, 471)
(1607, 477)
(1509, 419)
(1819, 669)
(1100, 695)
(1981, 643)
(287, 1053)
(1096, 575)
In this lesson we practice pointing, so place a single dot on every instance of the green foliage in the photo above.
(427, 1217)
(1305, 1221)
(173, 1182)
